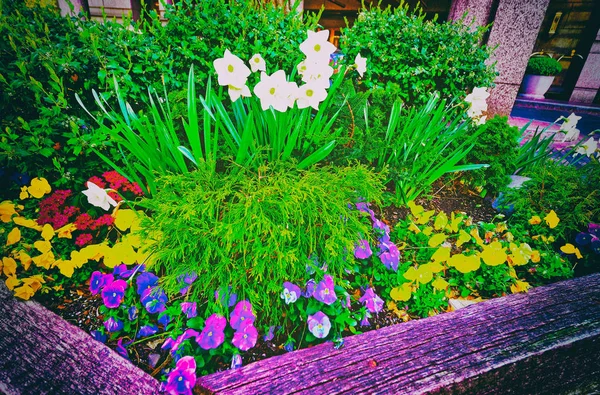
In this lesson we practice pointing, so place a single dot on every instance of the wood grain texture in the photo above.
(40, 353)
(546, 341)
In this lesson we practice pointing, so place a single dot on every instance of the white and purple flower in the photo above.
(319, 325)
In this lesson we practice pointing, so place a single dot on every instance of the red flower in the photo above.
(84, 221)
(105, 220)
(98, 181)
(83, 239)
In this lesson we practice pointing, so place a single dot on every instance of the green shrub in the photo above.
(571, 192)
(497, 146)
(420, 56)
(543, 66)
(254, 230)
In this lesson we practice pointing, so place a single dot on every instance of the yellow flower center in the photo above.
(209, 333)
(317, 47)
(114, 294)
(230, 68)
(180, 378)
(245, 336)
(309, 92)
(272, 91)
(256, 60)
(326, 292)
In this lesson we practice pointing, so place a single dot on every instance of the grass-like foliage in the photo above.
(422, 144)
(254, 230)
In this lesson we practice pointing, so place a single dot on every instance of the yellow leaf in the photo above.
(425, 217)
(414, 228)
(440, 284)
(463, 237)
(12, 282)
(535, 220)
(27, 223)
(42, 246)
(475, 233)
(14, 236)
(435, 267)
(23, 195)
(501, 227)
(78, 259)
(552, 219)
(464, 264)
(442, 254)
(94, 251)
(519, 286)
(520, 254)
(441, 220)
(428, 230)
(39, 187)
(65, 231)
(67, 268)
(401, 293)
(45, 260)
(454, 222)
(509, 237)
(493, 254)
(35, 282)
(424, 274)
(415, 209)
(124, 219)
(7, 210)
(25, 259)
(47, 232)
(9, 267)
(568, 248)
(133, 239)
(24, 292)
(578, 253)
(411, 274)
(436, 239)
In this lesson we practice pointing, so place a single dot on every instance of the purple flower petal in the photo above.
(373, 302)
(325, 291)
(362, 250)
(242, 315)
(319, 325)
(245, 338)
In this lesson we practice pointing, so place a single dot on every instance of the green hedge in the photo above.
(419, 56)
(543, 66)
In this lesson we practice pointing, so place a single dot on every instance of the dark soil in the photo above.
(81, 308)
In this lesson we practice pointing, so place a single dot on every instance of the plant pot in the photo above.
(536, 86)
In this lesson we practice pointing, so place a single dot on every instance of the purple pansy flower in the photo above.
(189, 309)
(145, 281)
(114, 293)
(582, 239)
(99, 336)
(147, 330)
(362, 250)
(132, 313)
(365, 320)
(245, 338)
(390, 255)
(232, 297)
(123, 272)
(186, 280)
(154, 300)
(113, 325)
(164, 320)
(182, 379)
(97, 281)
(373, 302)
(212, 335)
(291, 292)
(594, 229)
(347, 302)
(309, 288)
(325, 291)
(270, 334)
(319, 325)
(236, 361)
(119, 269)
(122, 349)
(289, 346)
(174, 345)
(242, 315)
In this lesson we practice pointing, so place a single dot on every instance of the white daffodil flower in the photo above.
(98, 197)
(311, 94)
(292, 93)
(301, 67)
(361, 64)
(257, 63)
(569, 126)
(231, 70)
(477, 99)
(273, 91)
(316, 47)
(318, 73)
(588, 148)
(235, 93)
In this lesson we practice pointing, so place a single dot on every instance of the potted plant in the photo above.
(539, 76)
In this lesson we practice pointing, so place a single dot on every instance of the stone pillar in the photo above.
(516, 24)
(66, 10)
(515, 30)
(588, 82)
(479, 11)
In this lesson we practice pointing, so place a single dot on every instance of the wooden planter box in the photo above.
(546, 341)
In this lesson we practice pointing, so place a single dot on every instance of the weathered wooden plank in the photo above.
(40, 353)
(546, 341)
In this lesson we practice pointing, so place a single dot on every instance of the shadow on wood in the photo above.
(546, 341)
(40, 353)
